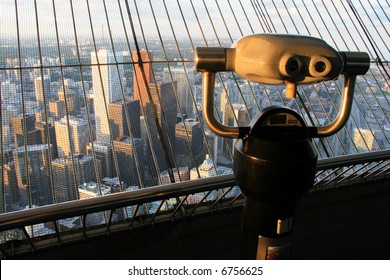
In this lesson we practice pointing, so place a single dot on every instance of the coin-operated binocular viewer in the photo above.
(274, 159)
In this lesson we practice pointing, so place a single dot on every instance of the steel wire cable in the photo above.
(134, 149)
(25, 140)
(142, 108)
(219, 76)
(47, 128)
(191, 92)
(198, 114)
(347, 47)
(149, 95)
(104, 93)
(174, 92)
(88, 117)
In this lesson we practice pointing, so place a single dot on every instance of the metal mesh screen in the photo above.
(99, 97)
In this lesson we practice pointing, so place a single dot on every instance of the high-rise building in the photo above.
(42, 90)
(129, 155)
(104, 159)
(21, 132)
(141, 71)
(77, 130)
(185, 81)
(106, 82)
(164, 117)
(47, 135)
(71, 99)
(32, 174)
(189, 143)
(69, 173)
(11, 189)
(57, 109)
(118, 112)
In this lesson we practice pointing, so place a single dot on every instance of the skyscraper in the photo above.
(46, 135)
(104, 159)
(64, 174)
(24, 127)
(72, 100)
(164, 117)
(42, 90)
(189, 143)
(11, 189)
(140, 91)
(183, 88)
(77, 130)
(32, 174)
(106, 82)
(129, 152)
(118, 120)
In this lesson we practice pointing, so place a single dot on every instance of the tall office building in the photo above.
(104, 159)
(42, 90)
(165, 119)
(24, 127)
(118, 112)
(140, 91)
(77, 130)
(71, 99)
(11, 188)
(47, 135)
(67, 177)
(32, 174)
(183, 89)
(57, 109)
(189, 143)
(129, 154)
(106, 82)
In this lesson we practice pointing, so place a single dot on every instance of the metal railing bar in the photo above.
(235, 199)
(383, 171)
(4, 253)
(110, 220)
(29, 237)
(63, 210)
(338, 175)
(79, 207)
(372, 170)
(85, 226)
(355, 159)
(347, 178)
(177, 208)
(158, 210)
(329, 174)
(57, 232)
(134, 215)
(221, 197)
(200, 202)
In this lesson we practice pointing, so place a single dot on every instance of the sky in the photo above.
(203, 18)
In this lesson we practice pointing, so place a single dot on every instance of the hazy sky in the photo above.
(294, 19)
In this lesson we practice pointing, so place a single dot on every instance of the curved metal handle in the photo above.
(208, 111)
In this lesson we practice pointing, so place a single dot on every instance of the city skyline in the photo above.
(140, 125)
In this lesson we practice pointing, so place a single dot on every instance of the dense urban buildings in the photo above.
(127, 121)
